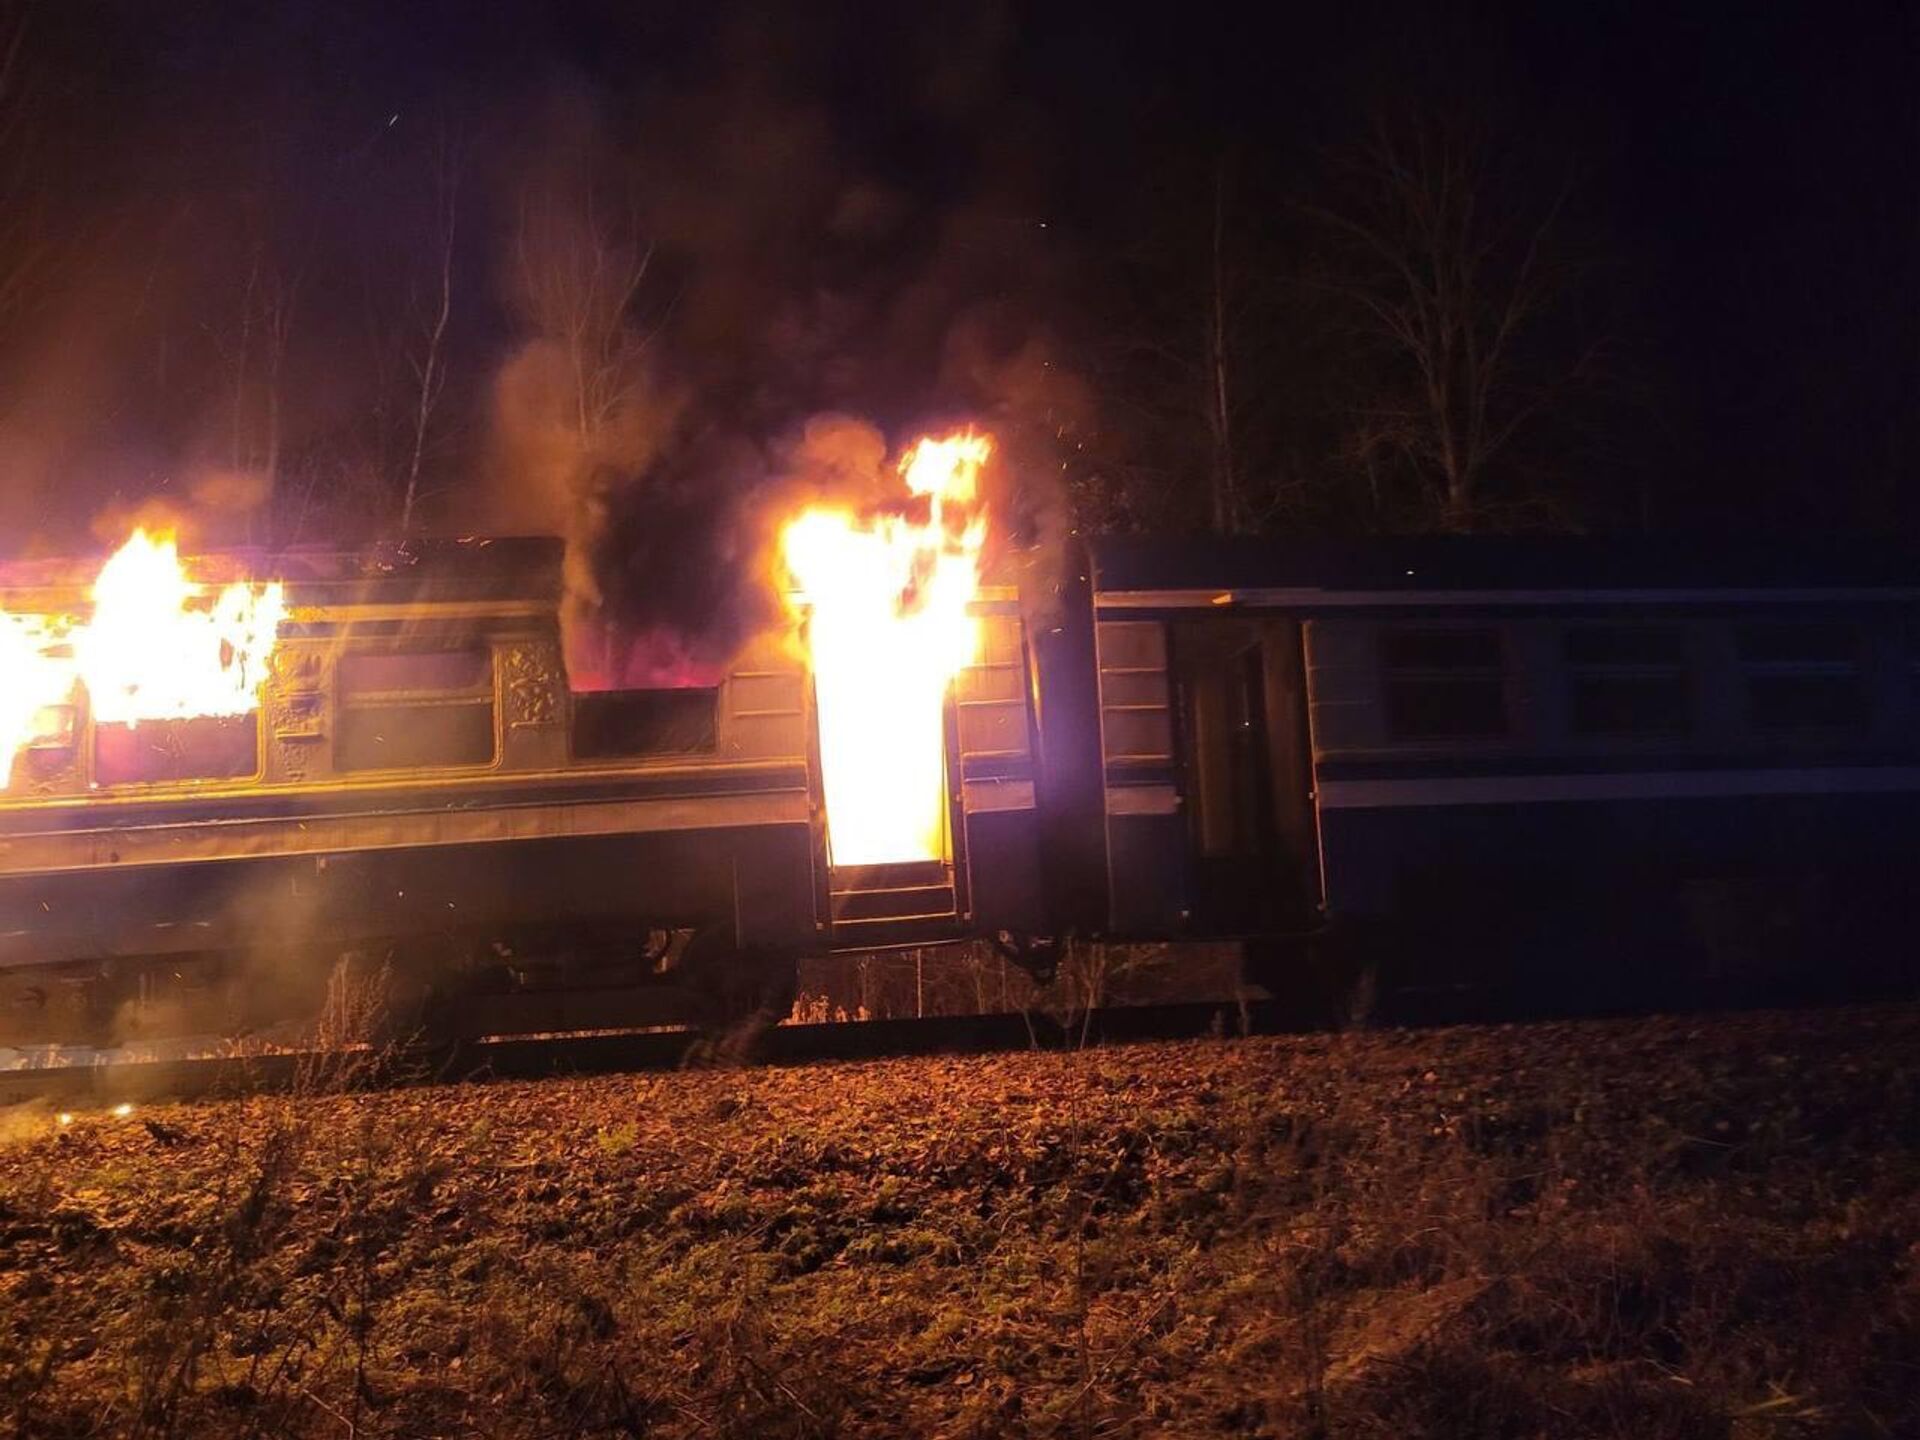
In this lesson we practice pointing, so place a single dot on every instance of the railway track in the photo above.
(600, 1054)
(542, 1057)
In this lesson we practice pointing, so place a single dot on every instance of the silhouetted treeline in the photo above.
(317, 272)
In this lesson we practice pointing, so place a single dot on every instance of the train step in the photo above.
(896, 932)
(917, 897)
(913, 874)
(910, 902)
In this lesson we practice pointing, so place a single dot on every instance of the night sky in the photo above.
(906, 216)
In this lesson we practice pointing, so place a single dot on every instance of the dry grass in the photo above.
(1651, 1228)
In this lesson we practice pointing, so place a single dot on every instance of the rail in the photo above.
(147, 1081)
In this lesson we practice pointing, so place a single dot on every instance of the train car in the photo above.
(420, 787)
(1569, 769)
(1559, 767)
(422, 791)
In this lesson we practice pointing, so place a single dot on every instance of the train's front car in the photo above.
(233, 780)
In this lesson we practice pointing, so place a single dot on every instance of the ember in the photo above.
(886, 597)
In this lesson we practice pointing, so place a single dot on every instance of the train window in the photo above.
(207, 747)
(618, 724)
(1628, 680)
(1635, 645)
(1806, 702)
(50, 746)
(415, 708)
(1441, 649)
(1797, 642)
(1443, 684)
(1802, 676)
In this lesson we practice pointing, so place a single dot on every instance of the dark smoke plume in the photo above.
(671, 274)
(725, 313)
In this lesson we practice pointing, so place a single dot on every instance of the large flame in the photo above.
(36, 676)
(888, 628)
(160, 648)
(157, 647)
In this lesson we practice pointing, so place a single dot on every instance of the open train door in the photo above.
(978, 869)
(1246, 774)
(1210, 820)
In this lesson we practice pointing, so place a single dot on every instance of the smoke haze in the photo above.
(329, 271)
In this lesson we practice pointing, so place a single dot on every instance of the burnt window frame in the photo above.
(1400, 674)
(97, 773)
(32, 769)
(614, 757)
(1848, 662)
(1672, 661)
(486, 688)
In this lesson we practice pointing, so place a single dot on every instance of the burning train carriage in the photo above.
(417, 785)
(1553, 765)
(382, 757)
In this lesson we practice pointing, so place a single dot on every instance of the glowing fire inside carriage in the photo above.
(214, 785)
(887, 598)
(157, 646)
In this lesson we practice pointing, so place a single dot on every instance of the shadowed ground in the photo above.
(1694, 1227)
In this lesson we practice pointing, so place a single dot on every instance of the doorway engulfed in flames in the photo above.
(885, 597)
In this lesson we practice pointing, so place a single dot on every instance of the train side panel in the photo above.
(995, 782)
(1145, 821)
(1591, 801)
(418, 772)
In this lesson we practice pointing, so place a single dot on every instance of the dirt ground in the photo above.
(1670, 1227)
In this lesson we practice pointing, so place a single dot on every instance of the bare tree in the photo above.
(1226, 479)
(1196, 382)
(20, 245)
(584, 412)
(427, 359)
(29, 247)
(580, 265)
(250, 345)
(1454, 273)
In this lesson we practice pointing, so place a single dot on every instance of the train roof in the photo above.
(1499, 565)
(471, 568)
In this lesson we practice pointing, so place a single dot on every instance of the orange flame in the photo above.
(157, 647)
(36, 675)
(888, 628)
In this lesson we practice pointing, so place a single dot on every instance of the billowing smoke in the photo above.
(724, 314)
(751, 260)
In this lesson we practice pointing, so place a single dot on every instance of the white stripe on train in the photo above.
(1640, 785)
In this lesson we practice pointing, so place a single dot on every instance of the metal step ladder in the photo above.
(881, 907)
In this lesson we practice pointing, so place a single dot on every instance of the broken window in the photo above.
(50, 747)
(622, 724)
(205, 747)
